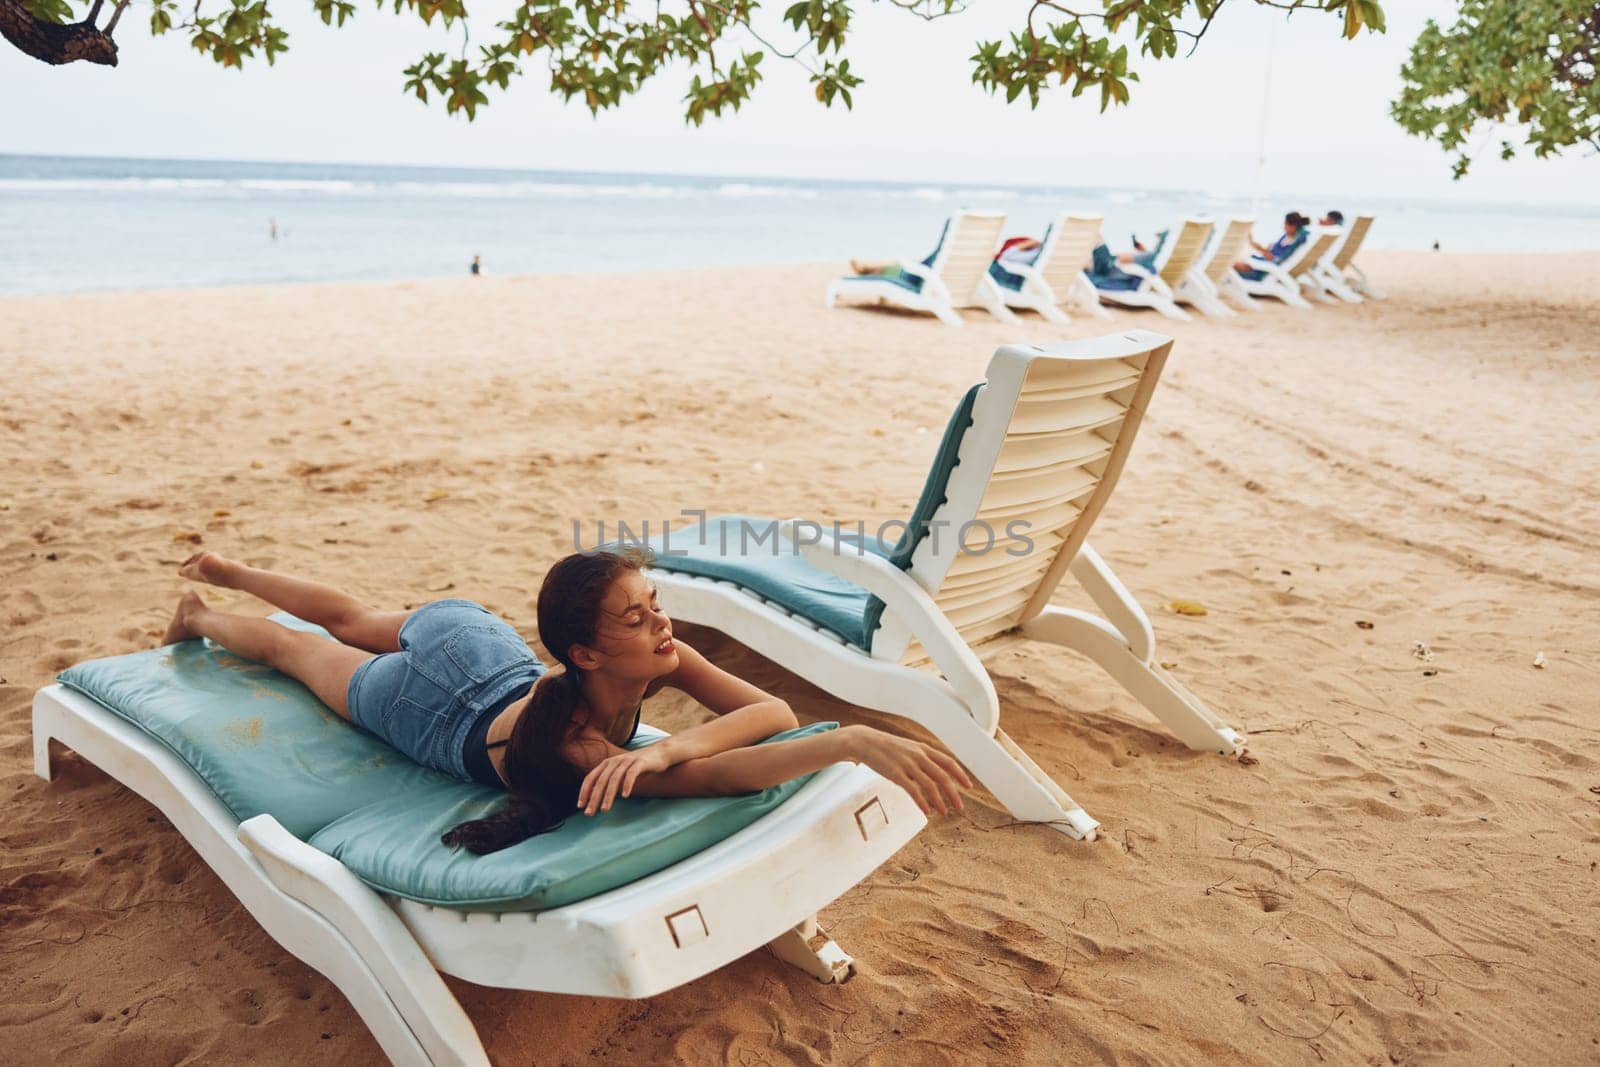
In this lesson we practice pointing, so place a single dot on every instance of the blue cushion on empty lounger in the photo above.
(724, 548)
(745, 551)
(911, 283)
(264, 744)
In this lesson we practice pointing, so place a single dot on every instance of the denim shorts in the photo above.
(456, 659)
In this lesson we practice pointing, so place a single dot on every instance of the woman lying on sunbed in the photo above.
(457, 689)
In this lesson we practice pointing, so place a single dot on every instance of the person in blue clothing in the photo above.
(1296, 228)
(1103, 266)
(457, 689)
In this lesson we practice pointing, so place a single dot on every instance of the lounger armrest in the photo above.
(1151, 277)
(1267, 266)
(1026, 271)
(929, 277)
(910, 602)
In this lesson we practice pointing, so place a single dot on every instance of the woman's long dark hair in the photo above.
(543, 785)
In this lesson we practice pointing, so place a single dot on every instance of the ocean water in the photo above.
(76, 223)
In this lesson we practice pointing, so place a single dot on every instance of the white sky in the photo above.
(1193, 123)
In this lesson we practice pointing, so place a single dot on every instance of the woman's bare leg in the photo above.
(322, 666)
(349, 620)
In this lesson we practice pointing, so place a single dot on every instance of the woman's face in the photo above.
(634, 637)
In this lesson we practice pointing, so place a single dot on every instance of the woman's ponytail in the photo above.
(542, 783)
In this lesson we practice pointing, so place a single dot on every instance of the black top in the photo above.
(476, 753)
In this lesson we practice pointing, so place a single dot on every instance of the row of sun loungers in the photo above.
(1194, 268)
(332, 843)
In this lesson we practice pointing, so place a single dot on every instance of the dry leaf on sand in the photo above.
(1188, 607)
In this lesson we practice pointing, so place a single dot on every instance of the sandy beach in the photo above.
(1388, 510)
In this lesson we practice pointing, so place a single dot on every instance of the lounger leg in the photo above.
(994, 302)
(809, 948)
(1170, 310)
(1289, 295)
(1180, 710)
(1231, 286)
(1357, 279)
(1088, 297)
(41, 749)
(1053, 314)
(1004, 769)
(421, 1009)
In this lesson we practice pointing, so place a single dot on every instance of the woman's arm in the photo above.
(933, 779)
(745, 713)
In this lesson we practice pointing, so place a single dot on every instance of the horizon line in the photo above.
(836, 180)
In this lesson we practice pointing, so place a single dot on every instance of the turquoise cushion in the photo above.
(250, 733)
(933, 497)
(738, 549)
(715, 549)
(264, 744)
(911, 283)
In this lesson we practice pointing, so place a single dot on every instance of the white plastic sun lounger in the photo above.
(955, 276)
(1171, 269)
(1183, 268)
(1232, 245)
(1040, 443)
(1286, 280)
(1059, 273)
(1195, 287)
(1337, 269)
(760, 886)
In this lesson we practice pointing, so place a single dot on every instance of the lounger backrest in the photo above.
(968, 249)
(1024, 470)
(1183, 249)
(1229, 248)
(1068, 250)
(1352, 242)
(1310, 254)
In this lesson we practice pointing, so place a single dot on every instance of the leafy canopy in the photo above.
(600, 51)
(1527, 62)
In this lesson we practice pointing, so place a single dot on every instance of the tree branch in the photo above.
(122, 6)
(1205, 27)
(48, 42)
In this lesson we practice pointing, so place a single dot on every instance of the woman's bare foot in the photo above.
(208, 567)
(182, 626)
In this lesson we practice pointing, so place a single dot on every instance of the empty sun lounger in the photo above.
(1232, 245)
(331, 840)
(1338, 269)
(955, 275)
(1026, 465)
(1058, 274)
(1195, 287)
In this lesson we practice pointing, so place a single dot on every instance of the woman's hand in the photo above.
(933, 779)
(614, 776)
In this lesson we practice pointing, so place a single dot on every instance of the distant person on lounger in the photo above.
(1296, 228)
(1103, 269)
(458, 690)
(1106, 273)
